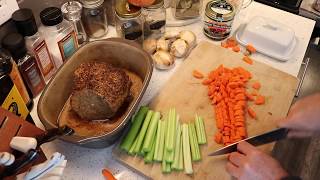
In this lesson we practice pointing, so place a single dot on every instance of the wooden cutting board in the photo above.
(189, 97)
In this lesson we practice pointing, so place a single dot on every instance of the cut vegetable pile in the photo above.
(165, 140)
(227, 92)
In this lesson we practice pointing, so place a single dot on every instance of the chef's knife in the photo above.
(258, 140)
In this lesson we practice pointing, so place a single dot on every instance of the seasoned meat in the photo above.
(99, 90)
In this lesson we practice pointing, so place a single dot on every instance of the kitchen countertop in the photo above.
(84, 163)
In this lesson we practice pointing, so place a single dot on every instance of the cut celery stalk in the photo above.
(198, 129)
(195, 151)
(128, 140)
(157, 143)
(169, 156)
(177, 150)
(203, 131)
(186, 150)
(151, 132)
(149, 157)
(166, 168)
(143, 131)
(180, 165)
(171, 129)
(130, 152)
(162, 140)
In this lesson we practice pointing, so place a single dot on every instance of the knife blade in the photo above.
(258, 140)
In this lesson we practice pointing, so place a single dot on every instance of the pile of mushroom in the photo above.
(172, 45)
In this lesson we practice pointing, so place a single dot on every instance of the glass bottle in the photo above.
(27, 65)
(36, 45)
(155, 20)
(59, 35)
(94, 18)
(10, 68)
(72, 12)
(129, 21)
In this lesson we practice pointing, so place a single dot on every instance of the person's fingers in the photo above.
(299, 134)
(245, 148)
(236, 158)
(233, 170)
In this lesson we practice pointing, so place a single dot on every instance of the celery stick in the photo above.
(148, 158)
(180, 164)
(166, 167)
(162, 140)
(177, 148)
(130, 152)
(198, 129)
(195, 151)
(186, 150)
(157, 143)
(169, 156)
(203, 131)
(171, 130)
(128, 140)
(143, 131)
(151, 132)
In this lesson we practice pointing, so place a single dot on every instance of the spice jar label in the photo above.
(68, 45)
(44, 59)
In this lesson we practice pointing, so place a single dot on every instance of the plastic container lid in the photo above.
(25, 22)
(51, 16)
(15, 44)
(269, 37)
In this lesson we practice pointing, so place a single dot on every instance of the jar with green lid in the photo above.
(155, 20)
(219, 15)
(94, 18)
(129, 21)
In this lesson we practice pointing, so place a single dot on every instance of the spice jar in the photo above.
(218, 19)
(94, 18)
(129, 21)
(72, 12)
(155, 20)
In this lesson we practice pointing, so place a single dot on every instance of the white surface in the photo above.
(7, 7)
(87, 163)
(269, 37)
(23, 144)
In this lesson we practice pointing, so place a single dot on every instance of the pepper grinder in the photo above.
(72, 12)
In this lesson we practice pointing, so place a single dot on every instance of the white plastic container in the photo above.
(268, 37)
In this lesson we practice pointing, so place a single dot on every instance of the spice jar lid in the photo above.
(220, 10)
(126, 10)
(5, 63)
(91, 3)
(157, 4)
(51, 16)
(72, 10)
(25, 22)
(15, 44)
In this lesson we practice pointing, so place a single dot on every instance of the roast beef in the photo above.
(99, 90)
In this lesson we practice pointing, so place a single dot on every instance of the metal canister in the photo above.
(219, 15)
(129, 21)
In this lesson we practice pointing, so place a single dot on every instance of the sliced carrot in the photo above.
(251, 113)
(197, 74)
(247, 60)
(206, 82)
(254, 93)
(256, 85)
(260, 100)
(218, 138)
(224, 44)
(251, 48)
(231, 42)
(250, 97)
(236, 48)
(108, 175)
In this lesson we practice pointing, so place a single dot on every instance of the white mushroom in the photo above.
(150, 45)
(179, 48)
(189, 37)
(171, 35)
(163, 59)
(163, 44)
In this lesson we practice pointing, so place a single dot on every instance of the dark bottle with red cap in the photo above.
(27, 64)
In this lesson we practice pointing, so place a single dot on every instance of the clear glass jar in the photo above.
(155, 20)
(72, 12)
(94, 18)
(129, 21)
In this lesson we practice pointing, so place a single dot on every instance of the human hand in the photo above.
(249, 163)
(303, 119)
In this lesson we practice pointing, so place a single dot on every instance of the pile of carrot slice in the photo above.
(227, 90)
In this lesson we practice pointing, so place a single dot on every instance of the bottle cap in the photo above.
(51, 16)
(15, 44)
(5, 63)
(25, 22)
(91, 3)
(72, 10)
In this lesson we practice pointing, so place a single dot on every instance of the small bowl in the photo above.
(118, 52)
